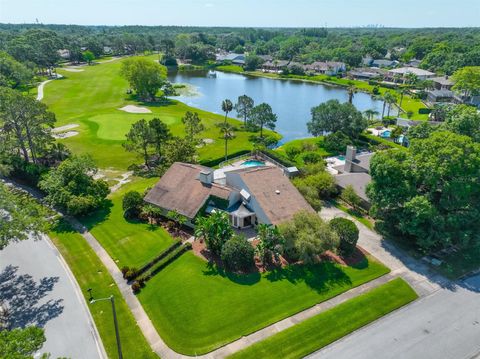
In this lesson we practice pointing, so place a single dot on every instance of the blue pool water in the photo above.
(253, 163)
(341, 158)
(386, 134)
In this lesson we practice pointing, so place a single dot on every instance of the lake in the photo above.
(290, 100)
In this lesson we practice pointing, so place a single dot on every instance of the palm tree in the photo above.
(352, 90)
(227, 106)
(402, 93)
(370, 113)
(226, 129)
(389, 98)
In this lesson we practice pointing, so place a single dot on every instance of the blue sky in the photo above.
(266, 13)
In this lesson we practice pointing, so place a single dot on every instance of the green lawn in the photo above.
(323, 329)
(91, 99)
(196, 308)
(90, 273)
(230, 68)
(129, 243)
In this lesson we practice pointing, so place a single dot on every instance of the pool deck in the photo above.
(219, 174)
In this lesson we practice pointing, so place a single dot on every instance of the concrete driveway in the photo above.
(38, 289)
(443, 323)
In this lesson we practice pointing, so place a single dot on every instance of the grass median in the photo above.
(333, 324)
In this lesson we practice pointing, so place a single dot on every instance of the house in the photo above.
(383, 63)
(366, 73)
(442, 83)
(64, 54)
(404, 71)
(414, 63)
(266, 58)
(236, 59)
(330, 68)
(355, 173)
(250, 195)
(276, 66)
(443, 95)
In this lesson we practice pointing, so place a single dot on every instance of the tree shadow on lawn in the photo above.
(243, 279)
(97, 217)
(320, 277)
(24, 299)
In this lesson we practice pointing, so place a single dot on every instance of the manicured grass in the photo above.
(91, 99)
(90, 273)
(230, 68)
(129, 243)
(197, 308)
(323, 329)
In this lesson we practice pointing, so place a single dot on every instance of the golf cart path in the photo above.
(41, 87)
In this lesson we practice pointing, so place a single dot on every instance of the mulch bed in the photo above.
(357, 257)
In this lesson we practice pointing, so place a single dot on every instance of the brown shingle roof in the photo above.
(264, 182)
(180, 189)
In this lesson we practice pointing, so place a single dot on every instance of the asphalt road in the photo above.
(39, 290)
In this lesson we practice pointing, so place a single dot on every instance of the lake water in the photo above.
(290, 100)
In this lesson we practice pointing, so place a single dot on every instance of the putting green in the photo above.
(114, 126)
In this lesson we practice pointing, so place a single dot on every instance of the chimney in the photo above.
(206, 177)
(350, 158)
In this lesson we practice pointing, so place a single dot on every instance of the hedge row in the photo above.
(158, 258)
(167, 260)
(277, 157)
(216, 162)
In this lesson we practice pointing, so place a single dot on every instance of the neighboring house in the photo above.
(383, 63)
(236, 59)
(250, 196)
(442, 83)
(330, 68)
(64, 54)
(276, 66)
(355, 173)
(403, 71)
(107, 50)
(414, 63)
(441, 96)
(367, 73)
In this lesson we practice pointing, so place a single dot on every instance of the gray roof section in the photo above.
(358, 180)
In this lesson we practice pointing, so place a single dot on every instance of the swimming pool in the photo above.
(386, 134)
(253, 163)
(341, 158)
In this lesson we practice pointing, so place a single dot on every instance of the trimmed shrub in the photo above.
(132, 204)
(131, 273)
(424, 111)
(136, 287)
(125, 270)
(238, 254)
(312, 157)
(347, 232)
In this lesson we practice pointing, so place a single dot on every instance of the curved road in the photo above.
(39, 289)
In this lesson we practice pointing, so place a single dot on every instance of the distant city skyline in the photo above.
(245, 13)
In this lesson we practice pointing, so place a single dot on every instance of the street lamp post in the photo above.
(117, 333)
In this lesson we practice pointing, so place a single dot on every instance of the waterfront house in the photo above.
(250, 195)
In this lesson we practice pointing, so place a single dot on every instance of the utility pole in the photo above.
(117, 333)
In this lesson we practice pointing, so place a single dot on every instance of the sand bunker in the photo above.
(64, 128)
(67, 134)
(208, 141)
(135, 109)
(69, 69)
